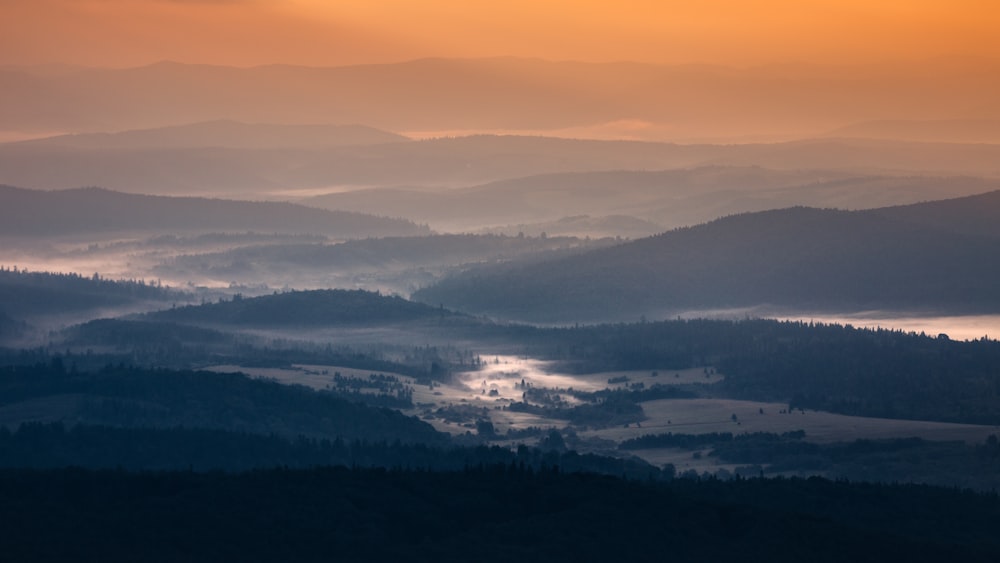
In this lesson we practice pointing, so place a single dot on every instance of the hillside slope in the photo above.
(99, 211)
(798, 257)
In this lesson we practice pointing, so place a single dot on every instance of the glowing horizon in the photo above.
(128, 33)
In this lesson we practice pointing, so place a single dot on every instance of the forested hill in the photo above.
(156, 398)
(94, 210)
(974, 215)
(796, 257)
(305, 308)
(26, 294)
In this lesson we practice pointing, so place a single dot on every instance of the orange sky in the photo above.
(331, 32)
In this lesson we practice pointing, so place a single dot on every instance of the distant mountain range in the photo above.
(98, 211)
(225, 134)
(671, 102)
(938, 130)
(406, 262)
(288, 162)
(933, 256)
(665, 198)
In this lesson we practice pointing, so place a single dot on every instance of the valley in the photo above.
(306, 281)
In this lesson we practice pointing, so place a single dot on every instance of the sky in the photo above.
(743, 33)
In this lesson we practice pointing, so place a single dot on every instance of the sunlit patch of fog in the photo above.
(117, 267)
(7, 136)
(502, 372)
(485, 393)
(301, 193)
(956, 327)
(615, 130)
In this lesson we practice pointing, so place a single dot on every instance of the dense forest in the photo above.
(135, 397)
(483, 513)
(142, 448)
(25, 294)
(971, 215)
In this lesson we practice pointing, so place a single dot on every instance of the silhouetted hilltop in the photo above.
(305, 308)
(28, 294)
(796, 257)
(971, 215)
(94, 210)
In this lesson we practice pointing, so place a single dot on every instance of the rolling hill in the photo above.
(88, 211)
(38, 297)
(667, 198)
(387, 255)
(972, 215)
(135, 397)
(451, 162)
(801, 258)
(304, 308)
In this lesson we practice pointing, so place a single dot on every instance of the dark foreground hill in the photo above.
(804, 258)
(88, 211)
(493, 513)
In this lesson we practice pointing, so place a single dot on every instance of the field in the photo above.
(484, 394)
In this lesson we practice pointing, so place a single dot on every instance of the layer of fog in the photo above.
(955, 327)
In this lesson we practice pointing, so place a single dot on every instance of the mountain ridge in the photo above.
(98, 210)
(502, 92)
(804, 258)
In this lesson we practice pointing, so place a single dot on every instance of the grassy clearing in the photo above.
(484, 393)
(699, 416)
